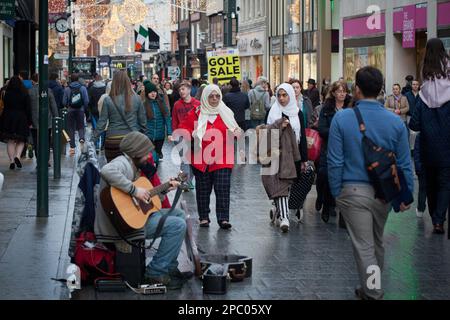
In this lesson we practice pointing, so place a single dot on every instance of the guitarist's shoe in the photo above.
(181, 275)
(171, 282)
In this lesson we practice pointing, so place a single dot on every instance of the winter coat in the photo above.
(197, 156)
(58, 92)
(16, 117)
(307, 108)
(180, 111)
(326, 117)
(392, 105)
(34, 100)
(136, 118)
(314, 95)
(412, 102)
(257, 94)
(238, 102)
(416, 154)
(159, 125)
(68, 94)
(287, 159)
(434, 127)
(95, 92)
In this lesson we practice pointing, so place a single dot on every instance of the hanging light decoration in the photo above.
(82, 44)
(93, 9)
(114, 27)
(106, 39)
(57, 6)
(133, 11)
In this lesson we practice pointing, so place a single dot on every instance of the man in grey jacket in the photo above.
(257, 95)
(121, 173)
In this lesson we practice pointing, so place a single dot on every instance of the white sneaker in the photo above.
(284, 225)
(419, 214)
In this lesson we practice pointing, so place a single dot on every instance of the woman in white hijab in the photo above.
(286, 107)
(213, 160)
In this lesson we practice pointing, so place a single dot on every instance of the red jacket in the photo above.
(213, 155)
(180, 111)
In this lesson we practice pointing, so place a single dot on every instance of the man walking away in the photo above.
(97, 89)
(57, 89)
(76, 100)
(365, 215)
(238, 102)
(313, 93)
(259, 102)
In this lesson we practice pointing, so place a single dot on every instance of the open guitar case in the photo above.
(219, 270)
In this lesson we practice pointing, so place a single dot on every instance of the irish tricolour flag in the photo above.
(141, 35)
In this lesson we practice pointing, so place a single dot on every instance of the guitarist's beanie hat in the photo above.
(136, 145)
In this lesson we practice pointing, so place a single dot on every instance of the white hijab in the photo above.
(291, 110)
(206, 110)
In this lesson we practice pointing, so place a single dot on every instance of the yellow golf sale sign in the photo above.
(224, 65)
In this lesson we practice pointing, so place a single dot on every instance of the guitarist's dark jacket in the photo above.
(120, 173)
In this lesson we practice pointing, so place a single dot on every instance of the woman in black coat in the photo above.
(337, 99)
(15, 121)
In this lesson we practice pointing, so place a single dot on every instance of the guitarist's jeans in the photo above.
(172, 237)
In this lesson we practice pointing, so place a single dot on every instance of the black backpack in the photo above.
(76, 98)
(381, 165)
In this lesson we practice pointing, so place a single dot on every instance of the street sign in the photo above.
(7, 9)
(224, 65)
(61, 56)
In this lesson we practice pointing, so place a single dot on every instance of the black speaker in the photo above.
(131, 265)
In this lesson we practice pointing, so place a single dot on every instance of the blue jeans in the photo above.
(172, 237)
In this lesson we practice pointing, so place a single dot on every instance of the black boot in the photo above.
(325, 214)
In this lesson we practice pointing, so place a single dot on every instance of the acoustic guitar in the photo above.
(128, 213)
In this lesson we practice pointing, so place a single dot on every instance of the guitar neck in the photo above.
(160, 189)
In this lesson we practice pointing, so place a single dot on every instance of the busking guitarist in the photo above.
(121, 173)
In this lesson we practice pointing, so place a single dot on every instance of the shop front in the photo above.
(104, 66)
(291, 57)
(363, 45)
(251, 49)
(444, 24)
(275, 61)
(132, 64)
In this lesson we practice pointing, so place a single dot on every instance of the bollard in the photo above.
(64, 127)
(57, 134)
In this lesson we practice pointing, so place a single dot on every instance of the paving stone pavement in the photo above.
(313, 261)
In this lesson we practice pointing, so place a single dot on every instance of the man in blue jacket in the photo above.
(349, 182)
(76, 100)
(57, 89)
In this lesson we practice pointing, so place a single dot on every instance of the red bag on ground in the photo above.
(314, 144)
(93, 259)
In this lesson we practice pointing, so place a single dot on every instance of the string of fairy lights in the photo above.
(107, 21)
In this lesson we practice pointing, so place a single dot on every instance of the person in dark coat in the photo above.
(432, 119)
(413, 96)
(238, 102)
(313, 93)
(57, 89)
(337, 100)
(97, 89)
(15, 120)
(420, 172)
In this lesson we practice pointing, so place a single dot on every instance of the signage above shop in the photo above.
(7, 9)
(409, 26)
(224, 65)
(275, 46)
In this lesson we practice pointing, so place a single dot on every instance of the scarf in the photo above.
(207, 110)
(291, 110)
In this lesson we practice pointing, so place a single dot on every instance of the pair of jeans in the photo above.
(172, 237)
(438, 192)
(75, 122)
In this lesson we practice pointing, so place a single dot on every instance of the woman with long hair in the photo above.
(336, 100)
(432, 119)
(159, 121)
(212, 171)
(123, 111)
(15, 120)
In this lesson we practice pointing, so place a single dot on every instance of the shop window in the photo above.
(275, 71)
(357, 58)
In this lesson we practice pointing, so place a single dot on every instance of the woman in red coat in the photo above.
(213, 129)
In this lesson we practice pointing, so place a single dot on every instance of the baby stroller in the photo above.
(298, 193)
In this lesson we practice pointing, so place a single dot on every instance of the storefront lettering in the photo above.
(374, 20)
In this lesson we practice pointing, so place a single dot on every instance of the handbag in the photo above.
(314, 142)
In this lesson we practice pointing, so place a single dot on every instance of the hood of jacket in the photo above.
(99, 84)
(435, 93)
(75, 85)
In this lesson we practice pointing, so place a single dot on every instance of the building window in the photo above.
(294, 16)
(216, 29)
(309, 66)
(356, 58)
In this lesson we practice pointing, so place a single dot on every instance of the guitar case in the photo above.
(218, 269)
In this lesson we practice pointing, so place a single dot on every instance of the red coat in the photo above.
(213, 155)
(180, 111)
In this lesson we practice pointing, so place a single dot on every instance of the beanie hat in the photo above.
(149, 87)
(136, 145)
